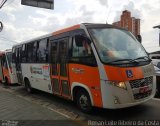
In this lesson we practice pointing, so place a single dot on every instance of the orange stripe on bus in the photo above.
(119, 74)
(6, 74)
(89, 77)
(66, 29)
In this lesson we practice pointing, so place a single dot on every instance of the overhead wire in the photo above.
(2, 3)
(8, 3)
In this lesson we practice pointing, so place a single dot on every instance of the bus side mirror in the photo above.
(79, 40)
(139, 38)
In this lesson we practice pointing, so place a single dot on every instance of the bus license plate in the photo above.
(144, 89)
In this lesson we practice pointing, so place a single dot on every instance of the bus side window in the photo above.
(35, 52)
(42, 51)
(13, 55)
(82, 51)
(20, 54)
(17, 55)
(30, 52)
(23, 53)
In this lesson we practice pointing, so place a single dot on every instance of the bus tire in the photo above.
(28, 86)
(157, 93)
(5, 81)
(83, 101)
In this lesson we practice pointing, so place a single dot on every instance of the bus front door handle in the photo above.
(78, 70)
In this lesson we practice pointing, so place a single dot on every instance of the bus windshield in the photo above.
(116, 45)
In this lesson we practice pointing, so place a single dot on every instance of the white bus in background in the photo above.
(8, 75)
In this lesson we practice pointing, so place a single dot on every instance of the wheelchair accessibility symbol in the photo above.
(129, 73)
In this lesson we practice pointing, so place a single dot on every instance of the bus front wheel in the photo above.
(83, 101)
(28, 86)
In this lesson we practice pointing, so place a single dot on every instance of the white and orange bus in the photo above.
(7, 75)
(92, 64)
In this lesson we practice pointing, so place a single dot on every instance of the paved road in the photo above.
(13, 107)
(147, 111)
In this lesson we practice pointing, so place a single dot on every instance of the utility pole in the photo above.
(1, 26)
(158, 26)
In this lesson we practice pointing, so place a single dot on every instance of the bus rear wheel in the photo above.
(5, 81)
(28, 86)
(83, 101)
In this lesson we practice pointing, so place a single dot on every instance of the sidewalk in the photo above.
(16, 108)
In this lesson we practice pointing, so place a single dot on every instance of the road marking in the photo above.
(67, 116)
(59, 112)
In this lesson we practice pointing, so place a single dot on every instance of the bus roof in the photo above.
(88, 25)
(54, 33)
(34, 39)
(8, 50)
(66, 29)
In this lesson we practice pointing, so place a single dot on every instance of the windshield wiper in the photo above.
(128, 60)
(146, 58)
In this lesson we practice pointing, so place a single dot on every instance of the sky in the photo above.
(23, 22)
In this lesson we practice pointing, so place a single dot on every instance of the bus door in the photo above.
(59, 72)
(5, 70)
(18, 65)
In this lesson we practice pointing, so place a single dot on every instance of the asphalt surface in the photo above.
(17, 111)
(146, 111)
(15, 108)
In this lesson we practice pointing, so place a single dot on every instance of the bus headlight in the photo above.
(119, 84)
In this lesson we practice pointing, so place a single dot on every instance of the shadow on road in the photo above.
(143, 111)
(131, 113)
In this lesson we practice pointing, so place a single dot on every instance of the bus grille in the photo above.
(142, 95)
(141, 82)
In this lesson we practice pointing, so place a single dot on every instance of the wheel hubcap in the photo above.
(83, 100)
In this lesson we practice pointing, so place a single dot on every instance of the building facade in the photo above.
(130, 23)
